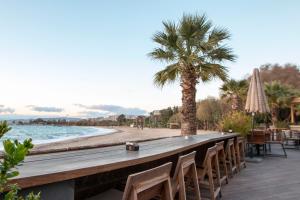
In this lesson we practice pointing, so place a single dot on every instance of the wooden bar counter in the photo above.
(75, 174)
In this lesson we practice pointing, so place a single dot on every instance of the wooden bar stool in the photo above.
(230, 157)
(185, 168)
(240, 153)
(153, 183)
(205, 173)
(222, 163)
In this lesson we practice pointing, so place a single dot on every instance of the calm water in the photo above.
(46, 134)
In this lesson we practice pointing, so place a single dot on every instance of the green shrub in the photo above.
(282, 124)
(238, 122)
(14, 154)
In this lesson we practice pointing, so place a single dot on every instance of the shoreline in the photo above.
(120, 136)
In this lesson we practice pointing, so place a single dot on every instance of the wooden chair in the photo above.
(186, 168)
(222, 163)
(153, 183)
(257, 138)
(291, 136)
(240, 153)
(230, 157)
(277, 137)
(205, 173)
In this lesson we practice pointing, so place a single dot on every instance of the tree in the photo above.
(14, 154)
(287, 74)
(175, 118)
(165, 115)
(194, 51)
(236, 92)
(209, 112)
(121, 119)
(279, 96)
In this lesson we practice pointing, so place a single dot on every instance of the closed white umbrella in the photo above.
(256, 98)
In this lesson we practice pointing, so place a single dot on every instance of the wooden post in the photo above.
(292, 114)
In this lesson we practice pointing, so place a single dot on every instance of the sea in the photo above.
(41, 134)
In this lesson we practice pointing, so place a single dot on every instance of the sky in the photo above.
(89, 58)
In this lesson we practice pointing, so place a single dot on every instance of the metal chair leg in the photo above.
(284, 150)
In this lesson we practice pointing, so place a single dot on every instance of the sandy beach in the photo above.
(121, 135)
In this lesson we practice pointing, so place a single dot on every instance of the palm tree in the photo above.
(236, 92)
(194, 51)
(279, 96)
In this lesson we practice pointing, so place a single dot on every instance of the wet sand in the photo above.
(121, 135)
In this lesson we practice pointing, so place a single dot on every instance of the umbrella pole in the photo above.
(253, 114)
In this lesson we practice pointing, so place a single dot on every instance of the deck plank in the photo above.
(273, 178)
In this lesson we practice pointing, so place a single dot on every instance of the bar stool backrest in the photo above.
(149, 184)
(184, 163)
(210, 154)
(220, 145)
(186, 167)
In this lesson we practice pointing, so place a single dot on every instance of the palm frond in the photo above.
(169, 74)
(162, 55)
(217, 35)
(221, 54)
(210, 71)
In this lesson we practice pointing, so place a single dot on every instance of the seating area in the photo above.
(190, 179)
(262, 141)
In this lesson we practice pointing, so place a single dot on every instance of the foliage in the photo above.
(279, 97)
(282, 124)
(4, 128)
(165, 115)
(14, 154)
(193, 50)
(235, 91)
(209, 112)
(163, 118)
(287, 74)
(236, 121)
(121, 119)
(175, 118)
(193, 44)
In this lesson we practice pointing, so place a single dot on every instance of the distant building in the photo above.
(131, 116)
(156, 113)
(112, 117)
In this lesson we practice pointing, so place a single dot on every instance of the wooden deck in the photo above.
(274, 178)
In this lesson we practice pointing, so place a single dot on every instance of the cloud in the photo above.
(6, 110)
(91, 114)
(45, 108)
(114, 109)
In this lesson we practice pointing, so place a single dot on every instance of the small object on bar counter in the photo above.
(230, 131)
(132, 146)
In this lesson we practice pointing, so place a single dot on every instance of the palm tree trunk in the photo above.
(274, 114)
(188, 84)
(235, 102)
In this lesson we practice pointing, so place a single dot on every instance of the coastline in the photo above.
(117, 137)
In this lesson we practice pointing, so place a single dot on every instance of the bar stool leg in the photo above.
(225, 166)
(196, 183)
